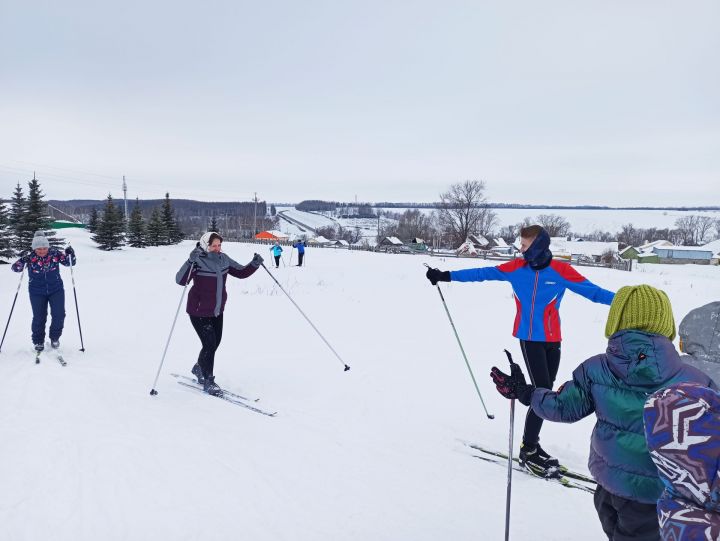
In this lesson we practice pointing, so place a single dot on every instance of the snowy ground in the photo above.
(370, 454)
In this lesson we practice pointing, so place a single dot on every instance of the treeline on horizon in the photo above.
(246, 208)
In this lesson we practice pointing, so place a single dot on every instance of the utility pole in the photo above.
(125, 197)
(255, 217)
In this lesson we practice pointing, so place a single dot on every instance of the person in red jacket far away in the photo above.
(539, 283)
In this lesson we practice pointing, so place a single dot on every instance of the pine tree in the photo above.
(155, 229)
(6, 251)
(94, 220)
(20, 237)
(172, 234)
(136, 228)
(214, 225)
(36, 217)
(109, 233)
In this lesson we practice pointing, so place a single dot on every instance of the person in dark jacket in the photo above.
(682, 426)
(699, 333)
(45, 287)
(208, 268)
(300, 245)
(539, 283)
(640, 359)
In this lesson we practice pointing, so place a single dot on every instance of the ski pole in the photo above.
(510, 460)
(306, 318)
(292, 252)
(452, 324)
(153, 392)
(12, 308)
(77, 310)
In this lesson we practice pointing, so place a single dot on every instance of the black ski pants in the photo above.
(209, 329)
(542, 360)
(626, 520)
(277, 261)
(300, 258)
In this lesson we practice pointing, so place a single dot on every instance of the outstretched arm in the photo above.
(500, 272)
(243, 271)
(572, 402)
(577, 283)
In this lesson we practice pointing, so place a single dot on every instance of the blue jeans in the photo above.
(39, 304)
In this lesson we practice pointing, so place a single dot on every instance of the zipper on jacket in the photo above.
(532, 303)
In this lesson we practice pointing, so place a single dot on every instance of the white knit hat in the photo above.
(40, 241)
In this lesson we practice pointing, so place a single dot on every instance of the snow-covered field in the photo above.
(370, 454)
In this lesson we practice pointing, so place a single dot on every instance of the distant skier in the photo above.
(208, 268)
(640, 359)
(45, 287)
(539, 283)
(300, 245)
(277, 250)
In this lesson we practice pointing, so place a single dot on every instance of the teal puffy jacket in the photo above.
(614, 386)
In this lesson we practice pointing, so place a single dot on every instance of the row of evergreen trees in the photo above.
(110, 231)
(21, 217)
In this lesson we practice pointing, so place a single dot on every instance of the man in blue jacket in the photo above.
(539, 283)
(46, 287)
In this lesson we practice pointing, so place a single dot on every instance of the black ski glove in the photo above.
(436, 275)
(69, 251)
(257, 260)
(512, 385)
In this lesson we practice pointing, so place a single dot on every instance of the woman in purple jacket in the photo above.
(208, 268)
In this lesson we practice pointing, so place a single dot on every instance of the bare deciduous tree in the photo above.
(464, 210)
(556, 226)
(694, 229)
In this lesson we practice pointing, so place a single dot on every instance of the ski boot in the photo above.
(39, 347)
(55, 344)
(212, 388)
(535, 460)
(197, 372)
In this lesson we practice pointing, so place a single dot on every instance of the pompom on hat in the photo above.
(642, 308)
(40, 241)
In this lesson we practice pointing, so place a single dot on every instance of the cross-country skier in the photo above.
(539, 283)
(277, 250)
(300, 245)
(208, 268)
(640, 359)
(45, 287)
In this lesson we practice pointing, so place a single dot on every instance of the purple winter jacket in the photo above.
(208, 294)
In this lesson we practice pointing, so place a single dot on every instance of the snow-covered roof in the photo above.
(394, 240)
(713, 246)
(342, 242)
(584, 247)
(627, 248)
(319, 240)
(500, 243)
(651, 245)
(646, 254)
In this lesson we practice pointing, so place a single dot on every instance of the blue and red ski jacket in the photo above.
(538, 294)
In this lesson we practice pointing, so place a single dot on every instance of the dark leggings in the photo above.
(277, 261)
(542, 360)
(626, 520)
(209, 329)
(300, 258)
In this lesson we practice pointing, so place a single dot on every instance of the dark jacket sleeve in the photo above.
(66, 260)
(572, 402)
(19, 265)
(240, 271)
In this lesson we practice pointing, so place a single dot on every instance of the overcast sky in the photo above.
(593, 102)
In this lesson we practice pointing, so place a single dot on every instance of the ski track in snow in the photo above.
(370, 454)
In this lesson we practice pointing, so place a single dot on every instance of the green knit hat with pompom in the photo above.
(642, 308)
